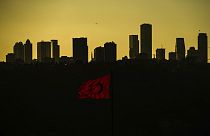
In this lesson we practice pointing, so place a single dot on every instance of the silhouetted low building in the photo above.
(18, 50)
(10, 58)
(110, 51)
(192, 55)
(125, 58)
(160, 54)
(142, 56)
(43, 51)
(172, 56)
(80, 50)
(99, 54)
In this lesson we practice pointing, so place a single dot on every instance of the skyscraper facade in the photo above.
(55, 50)
(43, 51)
(203, 47)
(110, 52)
(19, 51)
(146, 40)
(80, 50)
(28, 52)
(180, 49)
(133, 46)
(99, 54)
(160, 54)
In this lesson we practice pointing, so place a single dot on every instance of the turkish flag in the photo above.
(96, 89)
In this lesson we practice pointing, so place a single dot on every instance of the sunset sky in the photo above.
(101, 21)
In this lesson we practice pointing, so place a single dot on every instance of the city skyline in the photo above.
(101, 25)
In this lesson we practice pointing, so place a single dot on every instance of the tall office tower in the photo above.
(172, 56)
(203, 47)
(146, 40)
(43, 51)
(160, 54)
(55, 50)
(110, 52)
(134, 46)
(19, 51)
(180, 49)
(10, 58)
(28, 52)
(99, 54)
(80, 50)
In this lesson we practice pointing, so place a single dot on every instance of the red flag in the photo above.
(96, 89)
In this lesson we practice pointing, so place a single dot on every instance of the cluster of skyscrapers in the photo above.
(200, 55)
(49, 51)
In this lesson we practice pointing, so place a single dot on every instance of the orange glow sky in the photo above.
(64, 19)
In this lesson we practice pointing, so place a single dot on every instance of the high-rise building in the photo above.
(19, 51)
(134, 46)
(146, 40)
(172, 56)
(203, 47)
(55, 50)
(110, 52)
(160, 54)
(28, 52)
(10, 58)
(80, 50)
(180, 49)
(99, 54)
(43, 51)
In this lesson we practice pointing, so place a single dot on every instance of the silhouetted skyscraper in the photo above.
(10, 58)
(134, 46)
(146, 39)
(55, 50)
(99, 54)
(172, 56)
(80, 50)
(19, 51)
(28, 52)
(160, 54)
(180, 49)
(43, 51)
(203, 47)
(110, 52)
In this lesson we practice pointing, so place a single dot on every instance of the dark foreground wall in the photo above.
(149, 99)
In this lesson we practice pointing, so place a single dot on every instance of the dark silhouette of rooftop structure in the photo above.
(80, 50)
(133, 46)
(160, 54)
(99, 54)
(44, 51)
(110, 52)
